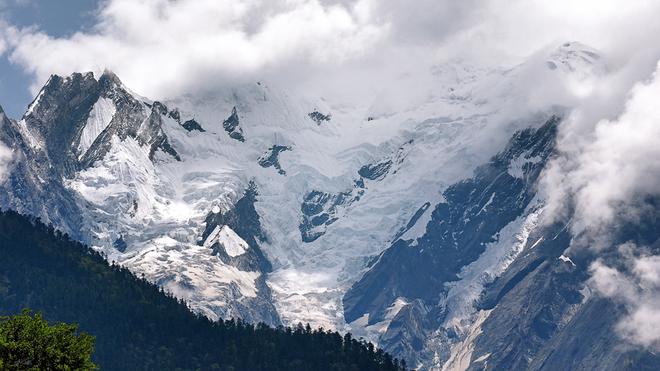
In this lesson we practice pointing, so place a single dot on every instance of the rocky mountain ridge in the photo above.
(416, 229)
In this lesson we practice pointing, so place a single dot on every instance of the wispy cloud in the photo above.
(609, 165)
(164, 47)
(608, 170)
(638, 288)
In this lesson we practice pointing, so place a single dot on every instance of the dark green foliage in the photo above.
(29, 342)
(137, 326)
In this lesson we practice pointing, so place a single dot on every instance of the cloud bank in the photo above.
(609, 165)
(6, 156)
(168, 47)
(608, 169)
(165, 48)
(638, 288)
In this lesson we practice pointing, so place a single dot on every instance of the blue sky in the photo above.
(57, 18)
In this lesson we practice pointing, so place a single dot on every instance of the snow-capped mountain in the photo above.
(416, 228)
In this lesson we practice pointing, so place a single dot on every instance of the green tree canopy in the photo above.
(138, 326)
(28, 342)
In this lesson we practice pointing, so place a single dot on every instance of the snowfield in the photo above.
(148, 211)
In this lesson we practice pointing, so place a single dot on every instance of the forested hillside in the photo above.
(138, 326)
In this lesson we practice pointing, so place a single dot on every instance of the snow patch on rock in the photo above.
(33, 141)
(208, 285)
(99, 119)
(463, 294)
(233, 244)
(361, 328)
(461, 353)
(517, 166)
(566, 259)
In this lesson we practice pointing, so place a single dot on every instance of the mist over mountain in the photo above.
(468, 186)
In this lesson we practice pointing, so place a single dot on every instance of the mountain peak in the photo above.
(57, 82)
(61, 89)
(110, 76)
(576, 57)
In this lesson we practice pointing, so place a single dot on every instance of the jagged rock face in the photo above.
(390, 164)
(240, 225)
(191, 125)
(321, 209)
(465, 295)
(95, 148)
(559, 323)
(319, 117)
(272, 158)
(75, 118)
(68, 127)
(36, 190)
(317, 208)
(58, 114)
(231, 126)
(375, 171)
(244, 220)
(460, 229)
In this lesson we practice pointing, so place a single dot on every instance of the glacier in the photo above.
(215, 219)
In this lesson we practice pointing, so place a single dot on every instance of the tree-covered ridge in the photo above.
(138, 326)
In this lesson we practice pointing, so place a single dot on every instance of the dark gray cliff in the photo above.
(460, 228)
(541, 313)
(36, 190)
(46, 143)
(232, 126)
(545, 318)
(72, 125)
(272, 158)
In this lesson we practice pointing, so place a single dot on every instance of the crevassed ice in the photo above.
(98, 120)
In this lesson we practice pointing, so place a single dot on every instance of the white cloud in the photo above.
(164, 48)
(608, 165)
(4, 45)
(6, 156)
(638, 289)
